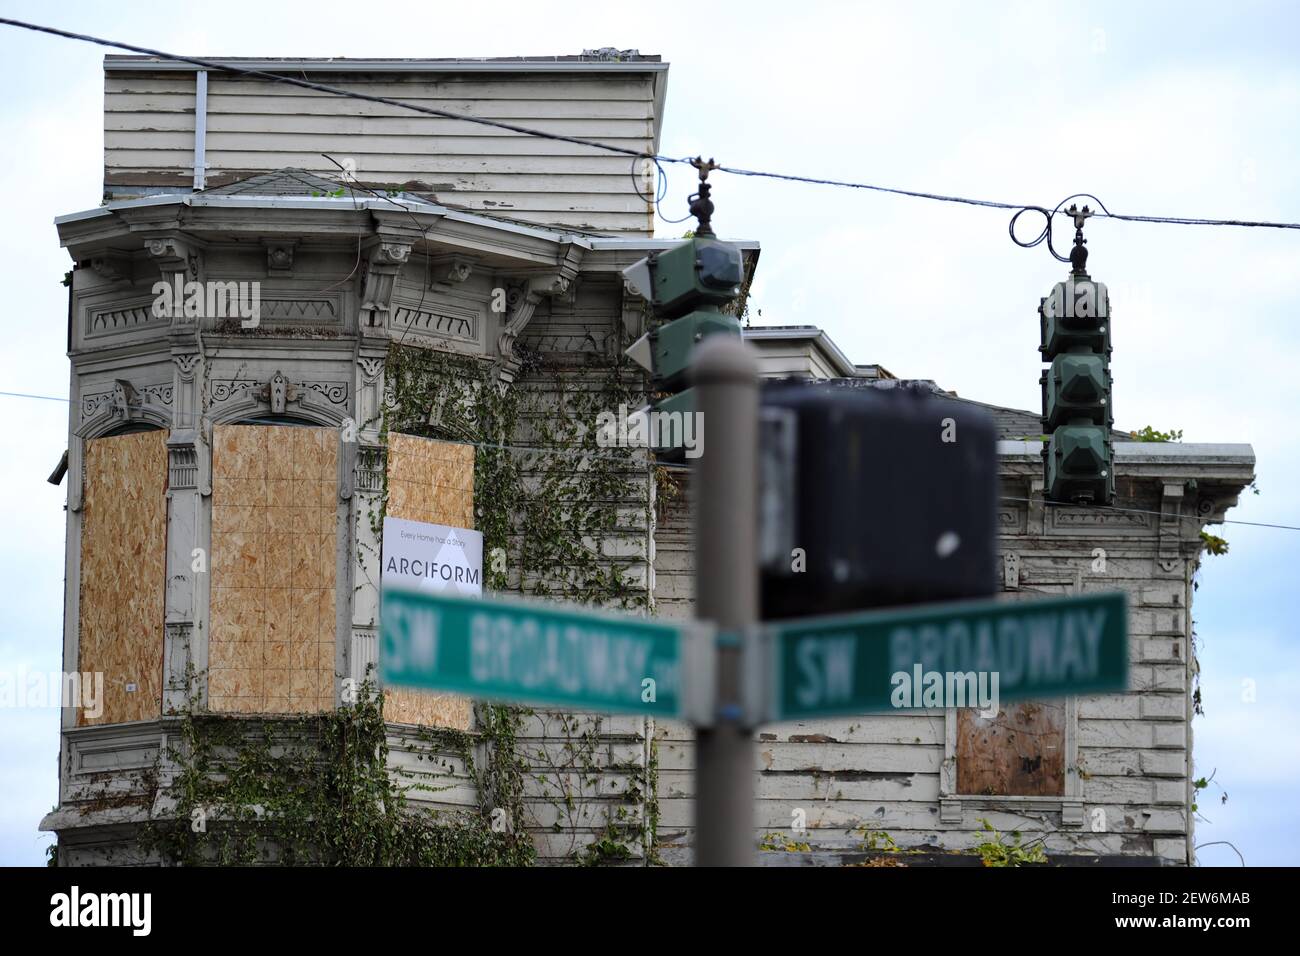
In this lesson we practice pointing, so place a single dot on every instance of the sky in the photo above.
(1168, 109)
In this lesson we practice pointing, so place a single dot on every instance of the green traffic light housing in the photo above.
(1076, 390)
(699, 272)
(1075, 315)
(687, 287)
(1074, 322)
(1079, 468)
(671, 346)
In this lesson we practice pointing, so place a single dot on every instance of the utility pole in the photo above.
(726, 592)
(724, 383)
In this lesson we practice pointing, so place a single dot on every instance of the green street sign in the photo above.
(543, 653)
(928, 655)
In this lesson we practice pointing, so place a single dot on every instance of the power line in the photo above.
(1019, 208)
(323, 88)
(44, 398)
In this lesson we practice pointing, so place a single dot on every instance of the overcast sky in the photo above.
(1175, 109)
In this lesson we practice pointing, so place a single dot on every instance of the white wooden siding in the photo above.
(885, 771)
(255, 126)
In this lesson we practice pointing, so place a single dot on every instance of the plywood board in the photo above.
(1020, 752)
(274, 558)
(123, 573)
(429, 481)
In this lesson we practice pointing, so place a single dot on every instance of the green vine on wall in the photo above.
(545, 493)
(317, 790)
(546, 497)
(320, 789)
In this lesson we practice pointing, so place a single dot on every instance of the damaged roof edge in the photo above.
(553, 64)
(200, 200)
(1236, 453)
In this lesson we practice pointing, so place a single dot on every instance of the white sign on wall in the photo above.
(432, 557)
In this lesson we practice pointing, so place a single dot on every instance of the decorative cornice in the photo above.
(437, 321)
(123, 319)
(278, 393)
(124, 402)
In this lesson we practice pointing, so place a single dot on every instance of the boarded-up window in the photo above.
(429, 481)
(274, 559)
(123, 573)
(1020, 752)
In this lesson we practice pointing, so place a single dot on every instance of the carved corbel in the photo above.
(1169, 551)
(523, 297)
(113, 268)
(1010, 571)
(185, 409)
(179, 262)
(186, 364)
(279, 256)
(174, 255)
(370, 395)
(569, 261)
(278, 392)
(383, 262)
(1037, 510)
(521, 302)
(450, 270)
(125, 398)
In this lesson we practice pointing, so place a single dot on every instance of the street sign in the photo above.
(877, 661)
(545, 653)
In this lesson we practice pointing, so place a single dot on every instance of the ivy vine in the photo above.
(319, 789)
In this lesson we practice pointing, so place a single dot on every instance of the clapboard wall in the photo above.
(254, 126)
(1127, 765)
(590, 775)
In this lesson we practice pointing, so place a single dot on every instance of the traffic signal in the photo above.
(687, 287)
(873, 497)
(1077, 418)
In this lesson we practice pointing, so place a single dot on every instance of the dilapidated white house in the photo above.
(1106, 776)
(440, 316)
